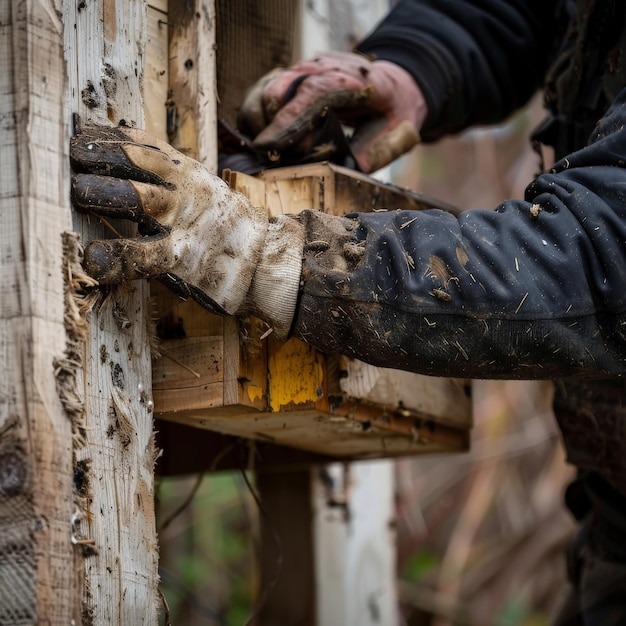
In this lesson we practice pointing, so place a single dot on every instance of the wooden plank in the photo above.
(37, 573)
(188, 449)
(361, 433)
(340, 191)
(156, 83)
(193, 101)
(442, 399)
(198, 386)
(297, 377)
(105, 51)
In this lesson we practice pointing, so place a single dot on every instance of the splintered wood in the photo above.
(113, 523)
(236, 378)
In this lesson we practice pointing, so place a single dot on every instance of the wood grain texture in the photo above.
(349, 436)
(192, 80)
(36, 557)
(105, 53)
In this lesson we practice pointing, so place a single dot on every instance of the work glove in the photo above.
(378, 99)
(197, 236)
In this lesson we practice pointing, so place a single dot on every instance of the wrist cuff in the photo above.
(273, 293)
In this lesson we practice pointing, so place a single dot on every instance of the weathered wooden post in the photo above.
(37, 574)
(105, 55)
(77, 536)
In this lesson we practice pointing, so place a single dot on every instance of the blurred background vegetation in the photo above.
(208, 549)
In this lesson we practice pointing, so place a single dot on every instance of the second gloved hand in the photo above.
(379, 99)
(200, 238)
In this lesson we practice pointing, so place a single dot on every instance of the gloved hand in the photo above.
(379, 99)
(202, 239)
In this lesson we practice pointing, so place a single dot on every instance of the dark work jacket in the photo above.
(534, 289)
(476, 61)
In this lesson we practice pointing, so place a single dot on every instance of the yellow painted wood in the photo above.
(296, 375)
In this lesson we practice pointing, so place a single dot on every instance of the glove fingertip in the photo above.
(272, 138)
(102, 262)
(104, 195)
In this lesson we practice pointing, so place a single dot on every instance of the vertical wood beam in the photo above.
(287, 551)
(105, 54)
(36, 558)
(354, 533)
(193, 127)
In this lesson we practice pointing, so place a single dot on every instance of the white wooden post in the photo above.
(77, 538)
(354, 545)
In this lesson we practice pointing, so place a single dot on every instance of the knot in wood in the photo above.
(13, 473)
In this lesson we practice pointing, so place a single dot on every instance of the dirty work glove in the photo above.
(379, 99)
(200, 238)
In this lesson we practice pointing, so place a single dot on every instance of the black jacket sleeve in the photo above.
(476, 61)
(534, 289)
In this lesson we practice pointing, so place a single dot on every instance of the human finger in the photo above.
(380, 141)
(253, 115)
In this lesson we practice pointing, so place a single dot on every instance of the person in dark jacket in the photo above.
(535, 289)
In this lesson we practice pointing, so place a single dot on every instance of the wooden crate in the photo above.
(233, 377)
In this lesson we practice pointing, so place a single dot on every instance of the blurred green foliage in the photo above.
(517, 612)
(419, 566)
(208, 551)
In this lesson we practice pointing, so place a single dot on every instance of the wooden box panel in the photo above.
(232, 376)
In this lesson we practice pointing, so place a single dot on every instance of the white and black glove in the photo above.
(380, 100)
(199, 237)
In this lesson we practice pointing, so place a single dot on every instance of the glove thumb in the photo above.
(119, 260)
(380, 141)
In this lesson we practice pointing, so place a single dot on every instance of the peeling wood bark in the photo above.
(114, 525)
